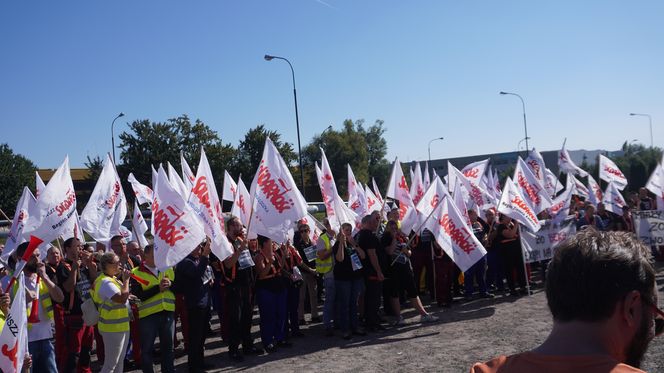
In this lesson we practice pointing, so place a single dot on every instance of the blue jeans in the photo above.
(494, 271)
(162, 324)
(347, 294)
(292, 303)
(272, 308)
(43, 356)
(476, 272)
(330, 302)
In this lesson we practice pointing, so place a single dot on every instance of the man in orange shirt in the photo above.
(600, 288)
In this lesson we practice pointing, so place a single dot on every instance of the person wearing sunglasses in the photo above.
(600, 288)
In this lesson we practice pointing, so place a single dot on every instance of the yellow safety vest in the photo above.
(324, 266)
(113, 317)
(162, 301)
(44, 299)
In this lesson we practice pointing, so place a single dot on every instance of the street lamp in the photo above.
(113, 134)
(518, 145)
(297, 118)
(523, 104)
(329, 128)
(649, 119)
(437, 138)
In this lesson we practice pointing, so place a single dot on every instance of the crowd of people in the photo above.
(363, 276)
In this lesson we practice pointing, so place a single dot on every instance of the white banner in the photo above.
(541, 245)
(649, 226)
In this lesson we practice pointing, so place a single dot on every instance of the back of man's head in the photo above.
(592, 271)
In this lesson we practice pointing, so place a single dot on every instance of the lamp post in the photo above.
(437, 138)
(297, 118)
(113, 134)
(523, 104)
(518, 145)
(649, 120)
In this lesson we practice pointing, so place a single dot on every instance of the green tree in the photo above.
(16, 171)
(152, 143)
(250, 151)
(637, 163)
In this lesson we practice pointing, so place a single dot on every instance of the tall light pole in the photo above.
(649, 119)
(297, 118)
(523, 104)
(113, 134)
(437, 138)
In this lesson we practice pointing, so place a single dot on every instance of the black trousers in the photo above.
(374, 290)
(198, 323)
(240, 308)
(513, 263)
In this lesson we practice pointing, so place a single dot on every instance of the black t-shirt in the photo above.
(300, 245)
(81, 289)
(344, 270)
(367, 240)
(243, 277)
(397, 265)
(504, 243)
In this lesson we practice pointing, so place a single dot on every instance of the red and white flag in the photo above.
(577, 186)
(376, 190)
(328, 190)
(176, 228)
(187, 175)
(426, 179)
(473, 194)
(205, 202)
(655, 184)
(107, 207)
(230, 188)
(514, 205)
(454, 236)
(398, 189)
(417, 185)
(277, 203)
(594, 191)
(39, 184)
(138, 226)
(24, 208)
(436, 192)
(54, 208)
(373, 204)
(357, 200)
(561, 205)
(497, 190)
(609, 172)
(552, 184)
(474, 171)
(460, 203)
(177, 183)
(565, 164)
(536, 165)
(142, 192)
(613, 199)
(314, 226)
(530, 188)
(14, 335)
(241, 207)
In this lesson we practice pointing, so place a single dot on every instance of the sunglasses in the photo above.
(659, 321)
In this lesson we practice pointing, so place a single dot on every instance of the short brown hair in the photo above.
(592, 271)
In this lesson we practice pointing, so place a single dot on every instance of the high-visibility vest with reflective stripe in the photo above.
(324, 266)
(162, 301)
(113, 317)
(44, 299)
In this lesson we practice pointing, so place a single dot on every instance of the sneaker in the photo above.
(359, 332)
(487, 295)
(347, 336)
(284, 344)
(270, 348)
(399, 322)
(428, 318)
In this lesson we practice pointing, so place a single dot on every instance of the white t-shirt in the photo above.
(108, 289)
(44, 328)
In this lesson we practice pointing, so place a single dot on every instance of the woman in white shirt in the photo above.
(111, 297)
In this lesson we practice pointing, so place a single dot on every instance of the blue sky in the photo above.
(427, 68)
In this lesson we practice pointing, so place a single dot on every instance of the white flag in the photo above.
(514, 205)
(594, 191)
(277, 201)
(142, 192)
(241, 207)
(655, 184)
(328, 191)
(426, 179)
(373, 204)
(497, 190)
(376, 190)
(565, 164)
(39, 185)
(177, 183)
(230, 188)
(417, 185)
(609, 172)
(437, 190)
(398, 190)
(613, 200)
(474, 171)
(535, 164)
(530, 188)
(552, 184)
(187, 175)
(577, 186)
(204, 200)
(177, 230)
(107, 207)
(561, 205)
(138, 225)
(357, 200)
(454, 236)
(24, 208)
(460, 203)
(14, 336)
(54, 208)
(471, 192)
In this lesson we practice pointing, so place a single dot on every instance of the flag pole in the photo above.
(523, 261)
(5, 215)
(420, 227)
(559, 172)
